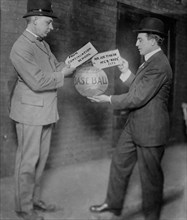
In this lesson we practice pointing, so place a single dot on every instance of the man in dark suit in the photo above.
(34, 106)
(146, 130)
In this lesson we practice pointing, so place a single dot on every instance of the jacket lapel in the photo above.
(144, 65)
(141, 67)
(41, 46)
(33, 39)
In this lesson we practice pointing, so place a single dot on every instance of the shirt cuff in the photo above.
(110, 99)
(125, 75)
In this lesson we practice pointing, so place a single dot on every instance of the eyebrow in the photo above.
(50, 21)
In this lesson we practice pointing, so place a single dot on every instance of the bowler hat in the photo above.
(151, 25)
(39, 8)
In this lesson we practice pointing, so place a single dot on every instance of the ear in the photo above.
(35, 18)
(153, 41)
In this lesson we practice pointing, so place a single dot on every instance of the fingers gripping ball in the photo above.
(90, 81)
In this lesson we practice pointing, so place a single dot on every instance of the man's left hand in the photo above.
(99, 98)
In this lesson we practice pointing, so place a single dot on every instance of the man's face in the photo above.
(43, 25)
(144, 44)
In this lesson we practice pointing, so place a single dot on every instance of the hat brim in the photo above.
(40, 14)
(150, 31)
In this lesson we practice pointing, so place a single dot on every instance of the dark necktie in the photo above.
(142, 62)
(39, 38)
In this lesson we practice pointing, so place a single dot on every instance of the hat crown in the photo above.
(39, 4)
(39, 8)
(153, 25)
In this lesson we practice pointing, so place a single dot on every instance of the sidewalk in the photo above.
(74, 188)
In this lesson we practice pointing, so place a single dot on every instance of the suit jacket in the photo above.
(147, 101)
(34, 99)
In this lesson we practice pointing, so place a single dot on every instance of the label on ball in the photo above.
(106, 59)
(81, 55)
(90, 81)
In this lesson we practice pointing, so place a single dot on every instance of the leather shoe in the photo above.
(42, 206)
(104, 208)
(31, 215)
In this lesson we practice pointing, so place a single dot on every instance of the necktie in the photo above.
(39, 38)
(142, 65)
(143, 62)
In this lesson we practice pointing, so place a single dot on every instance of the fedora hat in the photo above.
(39, 8)
(151, 25)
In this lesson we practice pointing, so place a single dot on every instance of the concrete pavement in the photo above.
(74, 188)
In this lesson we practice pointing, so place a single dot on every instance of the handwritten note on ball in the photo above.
(106, 59)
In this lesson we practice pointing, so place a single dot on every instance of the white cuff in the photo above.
(110, 99)
(125, 75)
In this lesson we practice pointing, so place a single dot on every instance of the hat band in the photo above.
(41, 10)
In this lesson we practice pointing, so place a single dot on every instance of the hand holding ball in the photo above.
(90, 81)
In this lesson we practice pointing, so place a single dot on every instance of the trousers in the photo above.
(31, 156)
(125, 156)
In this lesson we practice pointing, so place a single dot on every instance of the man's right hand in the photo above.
(124, 66)
(67, 70)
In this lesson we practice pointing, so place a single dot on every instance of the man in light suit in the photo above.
(34, 106)
(146, 130)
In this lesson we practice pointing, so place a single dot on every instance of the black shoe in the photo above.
(104, 208)
(31, 215)
(41, 206)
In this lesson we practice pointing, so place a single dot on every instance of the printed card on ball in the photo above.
(106, 59)
(81, 55)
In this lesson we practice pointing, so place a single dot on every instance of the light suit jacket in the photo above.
(147, 101)
(34, 99)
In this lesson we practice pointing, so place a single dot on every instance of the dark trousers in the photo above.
(149, 162)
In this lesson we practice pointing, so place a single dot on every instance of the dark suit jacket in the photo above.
(34, 99)
(147, 101)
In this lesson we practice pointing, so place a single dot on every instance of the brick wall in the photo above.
(84, 130)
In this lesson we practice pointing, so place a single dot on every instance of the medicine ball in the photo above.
(90, 81)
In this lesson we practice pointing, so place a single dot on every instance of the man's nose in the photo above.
(51, 27)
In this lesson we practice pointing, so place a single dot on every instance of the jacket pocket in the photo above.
(32, 100)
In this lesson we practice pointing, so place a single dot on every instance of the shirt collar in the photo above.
(147, 56)
(31, 32)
